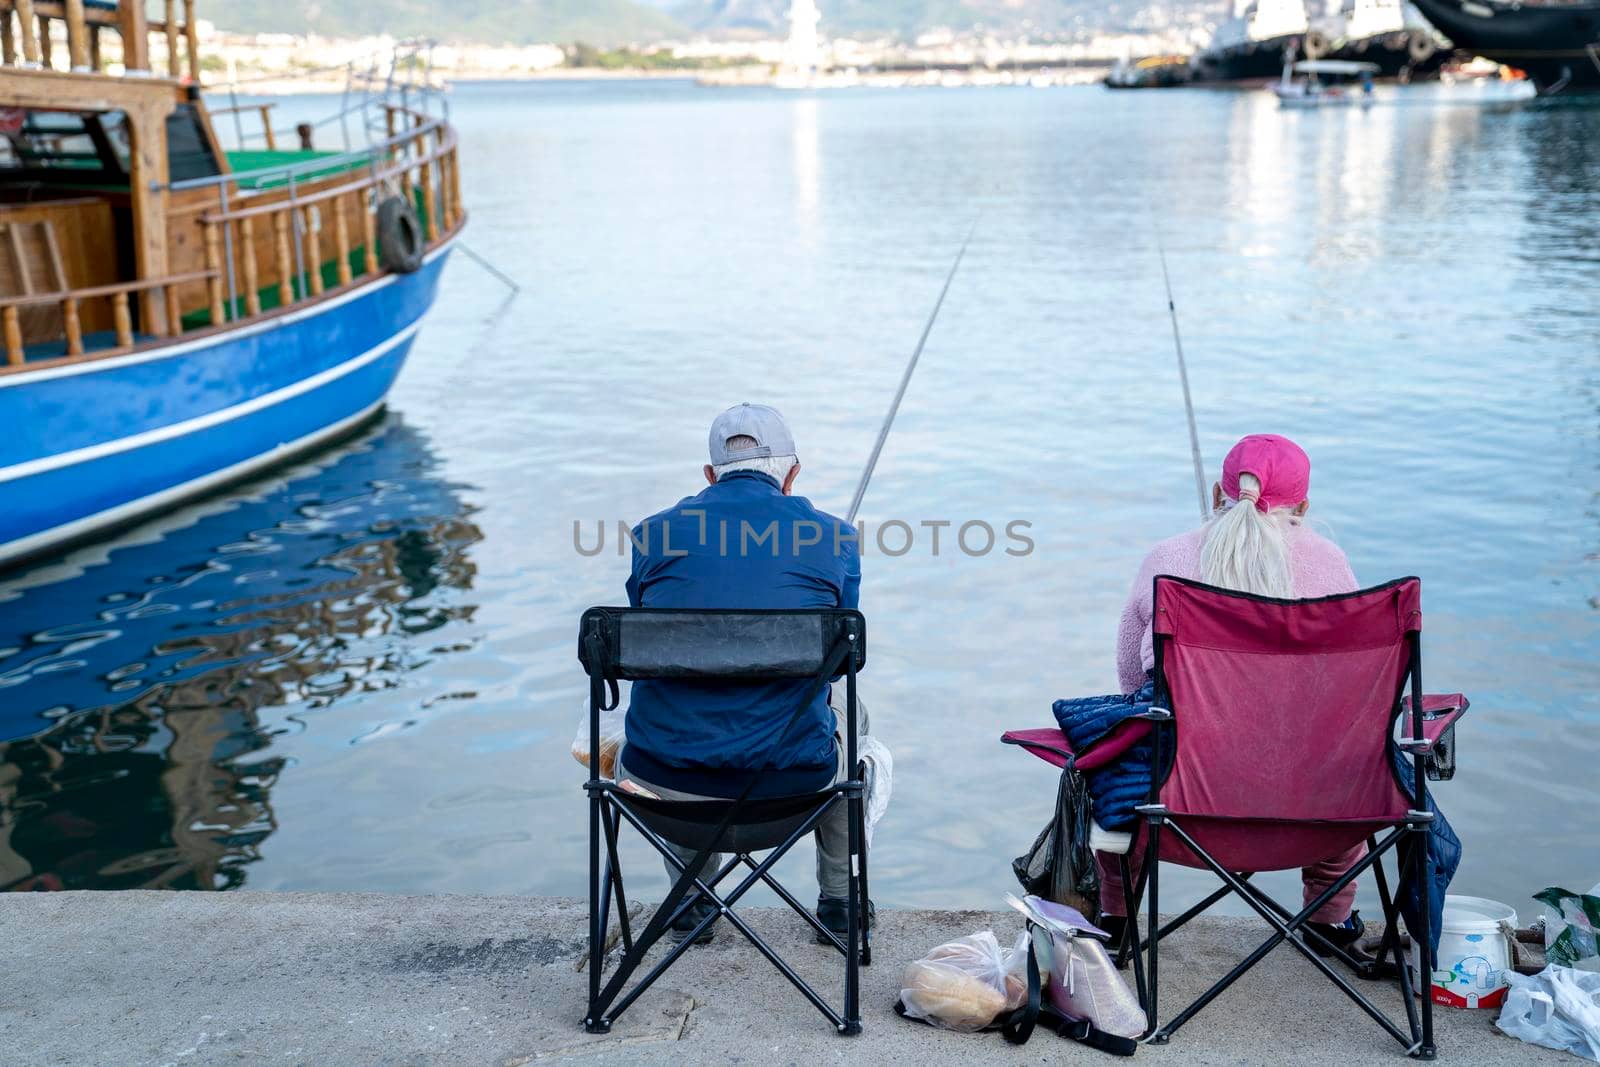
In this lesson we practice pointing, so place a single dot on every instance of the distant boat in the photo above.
(1390, 33)
(1155, 72)
(1555, 41)
(177, 316)
(1252, 46)
(1325, 83)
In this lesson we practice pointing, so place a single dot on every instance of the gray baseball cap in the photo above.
(765, 424)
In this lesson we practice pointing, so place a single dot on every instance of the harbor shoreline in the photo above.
(146, 977)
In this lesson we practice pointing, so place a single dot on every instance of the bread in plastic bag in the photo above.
(965, 984)
(611, 739)
(1558, 1008)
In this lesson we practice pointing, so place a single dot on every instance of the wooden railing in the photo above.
(266, 237)
(30, 20)
(70, 300)
(281, 238)
(264, 110)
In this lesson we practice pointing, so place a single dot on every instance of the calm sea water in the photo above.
(360, 674)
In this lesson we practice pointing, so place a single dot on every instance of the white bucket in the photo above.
(1474, 953)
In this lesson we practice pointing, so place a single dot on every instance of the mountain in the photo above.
(907, 18)
(601, 22)
(613, 22)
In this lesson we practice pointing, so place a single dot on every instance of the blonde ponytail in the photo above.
(1246, 549)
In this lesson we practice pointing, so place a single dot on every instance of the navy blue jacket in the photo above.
(739, 544)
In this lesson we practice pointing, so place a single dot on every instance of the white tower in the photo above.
(801, 54)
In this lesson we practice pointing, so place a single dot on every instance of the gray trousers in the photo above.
(832, 833)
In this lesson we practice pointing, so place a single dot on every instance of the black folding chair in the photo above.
(726, 646)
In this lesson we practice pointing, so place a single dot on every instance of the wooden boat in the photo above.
(175, 316)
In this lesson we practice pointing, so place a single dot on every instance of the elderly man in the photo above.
(745, 542)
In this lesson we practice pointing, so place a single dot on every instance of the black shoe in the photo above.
(684, 924)
(1345, 935)
(834, 913)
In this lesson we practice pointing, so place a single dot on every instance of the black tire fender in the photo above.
(400, 242)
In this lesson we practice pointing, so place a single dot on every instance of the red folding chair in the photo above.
(1271, 727)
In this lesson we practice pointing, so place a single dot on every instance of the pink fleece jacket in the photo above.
(1320, 569)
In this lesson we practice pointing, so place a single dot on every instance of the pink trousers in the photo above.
(1315, 879)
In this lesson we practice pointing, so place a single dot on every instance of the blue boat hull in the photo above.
(94, 445)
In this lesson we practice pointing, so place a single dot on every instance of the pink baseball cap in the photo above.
(1281, 466)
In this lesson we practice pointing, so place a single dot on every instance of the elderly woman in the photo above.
(1257, 542)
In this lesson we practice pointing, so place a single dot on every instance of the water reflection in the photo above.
(806, 159)
(134, 748)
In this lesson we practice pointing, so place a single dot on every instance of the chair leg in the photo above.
(614, 880)
(597, 934)
(1391, 943)
(866, 897)
(852, 958)
(1152, 860)
(1424, 938)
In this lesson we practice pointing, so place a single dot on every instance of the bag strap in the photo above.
(1019, 1027)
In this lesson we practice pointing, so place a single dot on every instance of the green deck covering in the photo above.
(256, 158)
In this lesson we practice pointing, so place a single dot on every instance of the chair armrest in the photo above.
(1440, 712)
(1053, 747)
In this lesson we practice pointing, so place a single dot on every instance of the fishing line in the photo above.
(1183, 376)
(499, 275)
(905, 379)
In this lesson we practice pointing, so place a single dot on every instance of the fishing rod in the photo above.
(1183, 376)
(905, 379)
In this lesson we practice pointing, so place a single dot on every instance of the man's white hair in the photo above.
(775, 467)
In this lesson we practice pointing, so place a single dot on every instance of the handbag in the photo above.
(1088, 1000)
(1061, 866)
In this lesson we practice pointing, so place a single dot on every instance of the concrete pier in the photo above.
(297, 978)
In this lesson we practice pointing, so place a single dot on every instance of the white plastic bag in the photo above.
(611, 739)
(880, 780)
(1558, 1008)
(965, 984)
(1570, 927)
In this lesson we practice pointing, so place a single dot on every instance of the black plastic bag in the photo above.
(1060, 866)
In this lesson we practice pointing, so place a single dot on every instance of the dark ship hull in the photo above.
(1557, 44)
(1408, 55)
(1255, 61)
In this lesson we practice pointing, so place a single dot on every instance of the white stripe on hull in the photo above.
(203, 422)
(26, 546)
